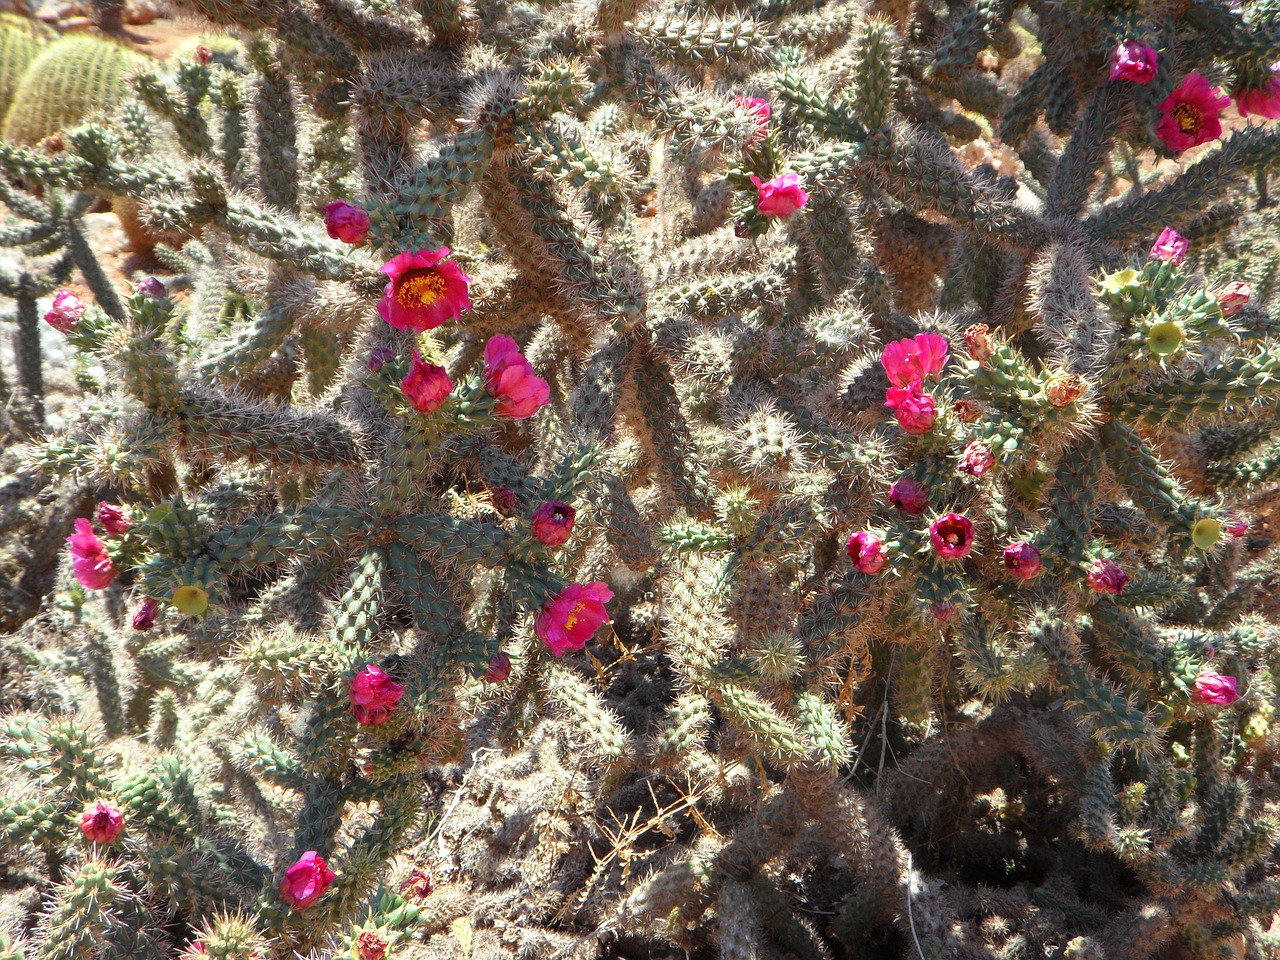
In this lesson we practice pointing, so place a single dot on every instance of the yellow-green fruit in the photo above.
(1164, 338)
(21, 40)
(1206, 533)
(70, 79)
(191, 600)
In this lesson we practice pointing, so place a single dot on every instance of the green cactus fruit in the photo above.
(21, 41)
(1206, 533)
(1164, 338)
(69, 80)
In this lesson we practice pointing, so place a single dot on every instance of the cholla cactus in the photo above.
(765, 527)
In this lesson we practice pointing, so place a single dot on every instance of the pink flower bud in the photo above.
(498, 670)
(89, 558)
(914, 359)
(781, 196)
(1237, 527)
(978, 342)
(1170, 246)
(952, 536)
(1215, 688)
(977, 459)
(1134, 61)
(151, 287)
(1022, 560)
(909, 495)
(570, 618)
(913, 407)
(867, 551)
(306, 881)
(113, 519)
(426, 386)
(509, 379)
(102, 822)
(553, 523)
(1105, 576)
(144, 618)
(346, 222)
(374, 695)
(379, 356)
(66, 311)
(370, 945)
(1233, 297)
(504, 501)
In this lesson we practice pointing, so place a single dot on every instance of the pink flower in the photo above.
(424, 291)
(867, 552)
(418, 886)
(306, 881)
(1132, 60)
(498, 669)
(144, 618)
(426, 386)
(1190, 114)
(102, 822)
(914, 359)
(571, 617)
(943, 611)
(909, 495)
(152, 287)
(66, 311)
(1022, 560)
(759, 109)
(346, 222)
(781, 196)
(1105, 576)
(89, 559)
(113, 519)
(1215, 688)
(374, 695)
(510, 379)
(1237, 526)
(1233, 297)
(913, 407)
(1170, 246)
(1263, 100)
(553, 522)
(952, 536)
(977, 459)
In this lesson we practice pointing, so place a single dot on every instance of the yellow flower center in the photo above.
(573, 617)
(1187, 118)
(419, 288)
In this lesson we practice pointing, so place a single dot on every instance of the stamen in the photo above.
(419, 288)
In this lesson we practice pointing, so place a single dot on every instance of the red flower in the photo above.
(571, 617)
(1215, 688)
(867, 552)
(89, 560)
(1233, 297)
(914, 359)
(113, 519)
(306, 881)
(1170, 246)
(1189, 115)
(977, 459)
(425, 290)
(426, 386)
(1132, 60)
(418, 886)
(346, 222)
(1105, 576)
(66, 311)
(102, 822)
(913, 407)
(553, 522)
(510, 379)
(1237, 526)
(952, 536)
(498, 670)
(145, 616)
(374, 695)
(781, 196)
(1263, 100)
(1022, 560)
(909, 495)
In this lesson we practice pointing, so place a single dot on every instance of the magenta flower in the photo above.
(570, 618)
(1264, 100)
(306, 881)
(867, 551)
(1237, 526)
(552, 523)
(144, 618)
(952, 536)
(346, 222)
(102, 822)
(913, 407)
(781, 196)
(426, 386)
(1215, 688)
(909, 495)
(1105, 576)
(1233, 297)
(89, 558)
(1170, 246)
(1134, 61)
(498, 669)
(1190, 115)
(374, 695)
(914, 359)
(759, 110)
(66, 311)
(425, 290)
(977, 459)
(151, 287)
(1022, 560)
(113, 519)
(510, 379)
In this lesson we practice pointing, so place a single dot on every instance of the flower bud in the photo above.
(144, 618)
(909, 495)
(498, 670)
(1215, 688)
(1022, 560)
(552, 523)
(151, 287)
(66, 311)
(1233, 297)
(867, 552)
(1170, 246)
(1106, 576)
(978, 342)
(977, 459)
(113, 519)
(346, 222)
